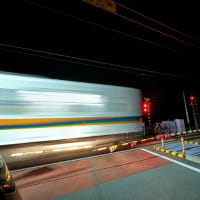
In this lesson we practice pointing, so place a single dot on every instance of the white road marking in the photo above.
(174, 161)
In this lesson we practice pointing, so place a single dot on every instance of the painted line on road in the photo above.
(172, 160)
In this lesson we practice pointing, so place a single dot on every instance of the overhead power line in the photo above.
(88, 62)
(157, 22)
(68, 61)
(105, 28)
(97, 4)
(157, 31)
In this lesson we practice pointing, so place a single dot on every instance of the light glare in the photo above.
(58, 97)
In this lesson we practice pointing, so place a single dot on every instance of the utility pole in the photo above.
(186, 110)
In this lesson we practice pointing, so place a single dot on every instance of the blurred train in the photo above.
(36, 109)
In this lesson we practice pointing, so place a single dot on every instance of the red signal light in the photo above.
(192, 98)
(145, 107)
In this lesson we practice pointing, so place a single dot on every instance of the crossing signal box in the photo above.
(146, 107)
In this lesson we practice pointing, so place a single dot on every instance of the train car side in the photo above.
(36, 109)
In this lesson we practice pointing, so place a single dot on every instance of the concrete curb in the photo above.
(193, 158)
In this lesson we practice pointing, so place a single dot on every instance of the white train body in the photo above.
(36, 109)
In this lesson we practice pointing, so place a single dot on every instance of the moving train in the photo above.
(34, 109)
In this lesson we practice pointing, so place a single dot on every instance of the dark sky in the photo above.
(170, 59)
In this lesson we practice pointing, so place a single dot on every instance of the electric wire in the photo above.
(71, 61)
(157, 31)
(89, 62)
(104, 27)
(77, 18)
(157, 22)
(151, 28)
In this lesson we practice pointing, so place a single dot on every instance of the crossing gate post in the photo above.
(183, 148)
(162, 142)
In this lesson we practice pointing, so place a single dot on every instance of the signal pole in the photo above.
(186, 110)
(147, 114)
(148, 102)
(193, 103)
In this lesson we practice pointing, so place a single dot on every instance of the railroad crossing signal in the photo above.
(192, 99)
(195, 110)
(147, 110)
(108, 5)
(145, 107)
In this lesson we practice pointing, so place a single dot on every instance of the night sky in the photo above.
(162, 65)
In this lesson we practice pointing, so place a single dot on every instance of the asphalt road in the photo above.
(170, 182)
(133, 174)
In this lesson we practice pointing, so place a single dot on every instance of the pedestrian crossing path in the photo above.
(176, 149)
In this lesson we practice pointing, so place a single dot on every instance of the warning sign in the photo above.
(108, 5)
